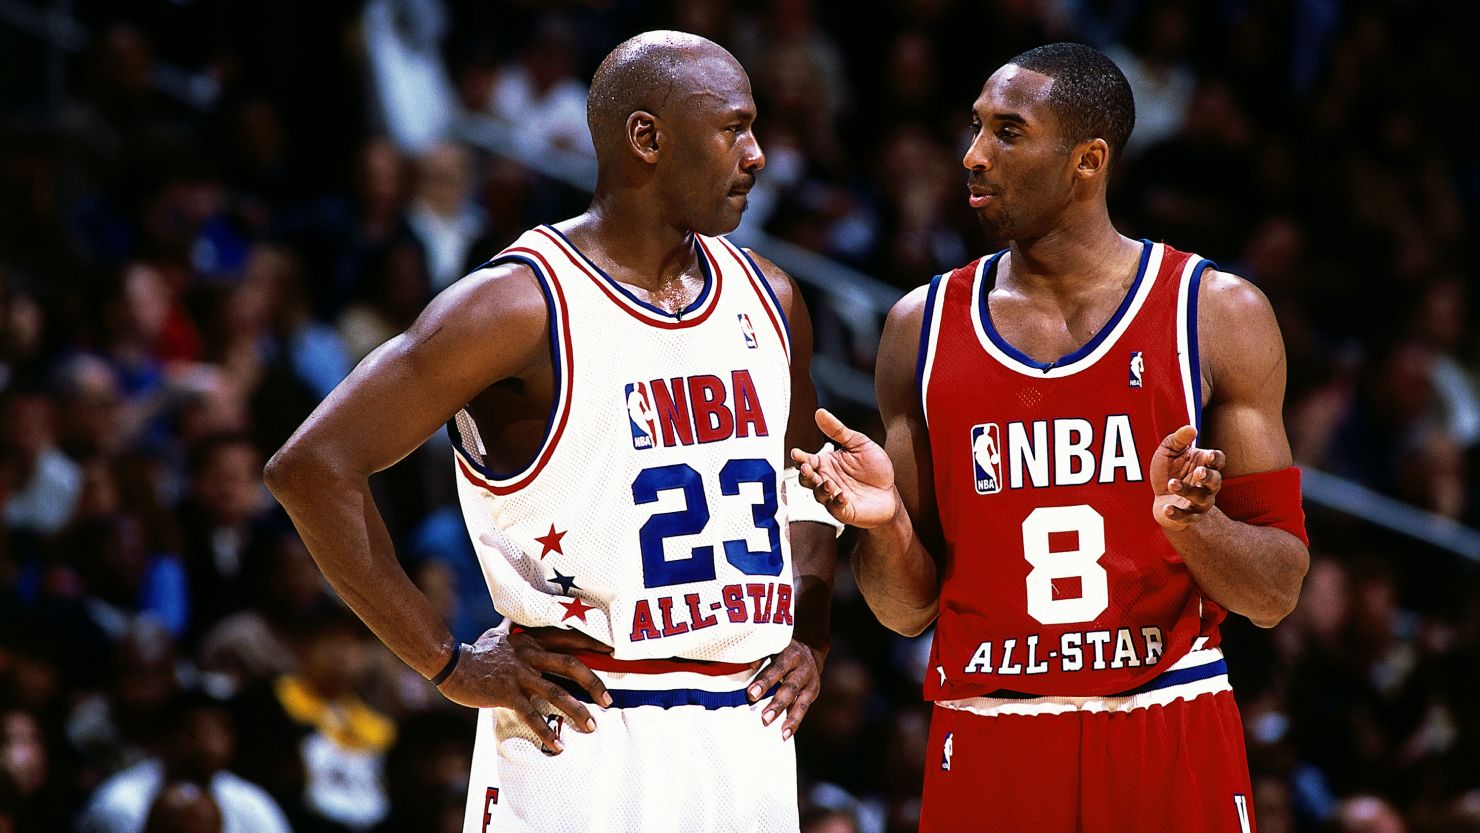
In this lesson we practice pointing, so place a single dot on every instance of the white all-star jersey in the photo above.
(652, 517)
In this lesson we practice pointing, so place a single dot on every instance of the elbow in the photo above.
(1282, 603)
(292, 470)
(910, 623)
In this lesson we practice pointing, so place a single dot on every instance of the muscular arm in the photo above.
(1255, 571)
(891, 563)
(796, 672)
(814, 549)
(396, 398)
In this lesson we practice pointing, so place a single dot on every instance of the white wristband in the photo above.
(801, 504)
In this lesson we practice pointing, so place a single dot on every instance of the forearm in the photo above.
(814, 559)
(344, 532)
(1255, 571)
(897, 575)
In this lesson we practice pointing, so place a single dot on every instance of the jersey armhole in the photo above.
(929, 328)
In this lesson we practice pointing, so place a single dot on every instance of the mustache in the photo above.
(978, 182)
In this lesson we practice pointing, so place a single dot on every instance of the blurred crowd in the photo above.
(210, 211)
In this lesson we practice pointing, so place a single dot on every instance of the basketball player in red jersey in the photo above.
(1042, 496)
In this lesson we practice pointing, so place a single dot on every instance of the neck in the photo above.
(1073, 256)
(628, 238)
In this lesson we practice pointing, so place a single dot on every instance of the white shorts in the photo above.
(678, 752)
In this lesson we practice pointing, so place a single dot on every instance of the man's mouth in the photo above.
(980, 195)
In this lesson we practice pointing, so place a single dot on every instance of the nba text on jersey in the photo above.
(1073, 453)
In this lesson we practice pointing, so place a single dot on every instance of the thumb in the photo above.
(1179, 440)
(834, 428)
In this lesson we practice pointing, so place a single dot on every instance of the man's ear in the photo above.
(1093, 159)
(643, 135)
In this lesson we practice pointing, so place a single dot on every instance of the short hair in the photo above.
(639, 74)
(1090, 95)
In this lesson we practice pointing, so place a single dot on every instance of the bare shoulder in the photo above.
(1238, 335)
(909, 312)
(502, 305)
(1227, 294)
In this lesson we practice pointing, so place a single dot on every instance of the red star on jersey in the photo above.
(550, 542)
(575, 608)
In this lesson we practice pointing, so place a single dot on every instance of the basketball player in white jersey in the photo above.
(621, 388)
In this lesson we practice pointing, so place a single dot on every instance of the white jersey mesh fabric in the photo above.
(651, 519)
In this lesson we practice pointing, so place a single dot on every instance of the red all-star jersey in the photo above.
(1057, 579)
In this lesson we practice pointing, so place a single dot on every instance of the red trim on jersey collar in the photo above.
(602, 281)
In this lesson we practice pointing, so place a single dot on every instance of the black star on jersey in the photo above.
(566, 582)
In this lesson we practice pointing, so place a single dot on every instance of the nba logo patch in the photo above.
(986, 457)
(640, 416)
(947, 751)
(556, 722)
(746, 330)
(1138, 366)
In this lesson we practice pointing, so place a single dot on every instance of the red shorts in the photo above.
(1146, 763)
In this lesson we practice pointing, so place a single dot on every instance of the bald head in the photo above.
(653, 71)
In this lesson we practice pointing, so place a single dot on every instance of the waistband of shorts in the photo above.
(1201, 671)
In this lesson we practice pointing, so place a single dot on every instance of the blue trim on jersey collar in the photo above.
(1089, 347)
(631, 698)
(627, 293)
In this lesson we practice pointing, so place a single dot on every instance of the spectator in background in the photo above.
(426, 773)
(183, 807)
(1367, 814)
(441, 214)
(95, 418)
(541, 92)
(402, 41)
(196, 746)
(226, 500)
(396, 287)
(39, 485)
(1154, 59)
(116, 728)
(28, 773)
(346, 740)
(284, 592)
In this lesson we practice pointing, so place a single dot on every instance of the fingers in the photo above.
(1179, 440)
(541, 728)
(580, 716)
(769, 676)
(835, 429)
(1199, 489)
(796, 686)
(572, 669)
(798, 709)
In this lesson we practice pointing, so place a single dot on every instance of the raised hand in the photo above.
(1185, 479)
(508, 670)
(855, 481)
(797, 674)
